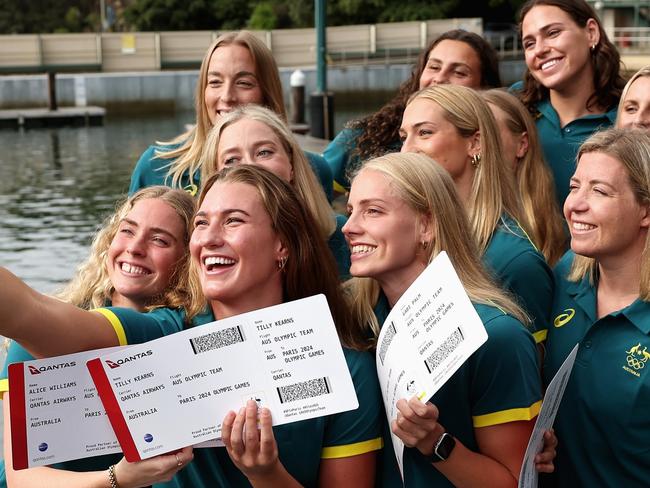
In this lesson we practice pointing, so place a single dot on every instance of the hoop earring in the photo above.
(476, 159)
(282, 262)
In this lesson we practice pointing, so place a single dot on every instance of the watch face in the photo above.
(444, 446)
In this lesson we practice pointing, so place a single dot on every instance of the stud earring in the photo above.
(424, 244)
(476, 159)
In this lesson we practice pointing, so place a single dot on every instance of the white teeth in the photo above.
(133, 269)
(582, 226)
(549, 64)
(362, 249)
(209, 261)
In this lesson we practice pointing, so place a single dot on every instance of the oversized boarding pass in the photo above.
(56, 414)
(175, 391)
(428, 335)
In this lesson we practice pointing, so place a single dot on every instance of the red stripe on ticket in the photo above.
(113, 411)
(18, 415)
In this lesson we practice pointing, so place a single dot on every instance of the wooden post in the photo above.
(51, 90)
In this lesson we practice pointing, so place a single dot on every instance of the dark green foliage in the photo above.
(34, 16)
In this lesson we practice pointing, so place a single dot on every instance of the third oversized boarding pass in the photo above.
(175, 391)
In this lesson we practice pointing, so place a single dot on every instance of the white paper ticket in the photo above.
(56, 414)
(175, 391)
(430, 332)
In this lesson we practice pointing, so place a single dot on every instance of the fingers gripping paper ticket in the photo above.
(174, 391)
(430, 332)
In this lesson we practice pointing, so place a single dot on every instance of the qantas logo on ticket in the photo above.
(119, 362)
(51, 367)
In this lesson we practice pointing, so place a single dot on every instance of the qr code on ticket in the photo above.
(303, 390)
(216, 340)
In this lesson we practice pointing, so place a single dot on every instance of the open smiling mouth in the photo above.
(133, 269)
(214, 263)
(362, 249)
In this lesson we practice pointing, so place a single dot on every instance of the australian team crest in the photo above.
(636, 359)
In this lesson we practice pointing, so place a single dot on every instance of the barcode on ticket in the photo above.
(386, 340)
(443, 351)
(217, 340)
(305, 389)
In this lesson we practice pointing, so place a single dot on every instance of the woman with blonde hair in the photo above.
(237, 69)
(255, 135)
(264, 235)
(405, 210)
(454, 126)
(634, 108)
(533, 177)
(602, 303)
(138, 260)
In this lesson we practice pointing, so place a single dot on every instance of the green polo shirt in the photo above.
(341, 156)
(499, 383)
(560, 144)
(603, 424)
(151, 170)
(523, 271)
(301, 445)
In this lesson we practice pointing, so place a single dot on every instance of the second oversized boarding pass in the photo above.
(175, 391)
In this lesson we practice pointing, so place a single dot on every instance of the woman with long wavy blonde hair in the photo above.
(404, 211)
(138, 260)
(92, 287)
(454, 126)
(521, 148)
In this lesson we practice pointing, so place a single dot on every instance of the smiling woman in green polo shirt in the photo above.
(572, 82)
(404, 210)
(454, 126)
(602, 303)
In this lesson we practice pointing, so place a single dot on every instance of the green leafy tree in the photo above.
(263, 17)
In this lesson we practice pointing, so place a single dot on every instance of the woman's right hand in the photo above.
(150, 471)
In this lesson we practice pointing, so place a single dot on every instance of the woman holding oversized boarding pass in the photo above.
(404, 210)
(252, 247)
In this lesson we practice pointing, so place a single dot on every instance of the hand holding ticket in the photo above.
(430, 332)
(174, 391)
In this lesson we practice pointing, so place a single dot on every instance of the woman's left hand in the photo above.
(417, 425)
(544, 460)
(254, 451)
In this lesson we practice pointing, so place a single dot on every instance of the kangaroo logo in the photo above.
(637, 357)
(564, 317)
(111, 364)
(33, 370)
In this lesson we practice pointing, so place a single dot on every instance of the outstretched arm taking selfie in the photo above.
(46, 326)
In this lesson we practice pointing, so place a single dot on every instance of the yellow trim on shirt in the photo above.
(115, 322)
(4, 385)
(348, 450)
(540, 336)
(338, 187)
(505, 416)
